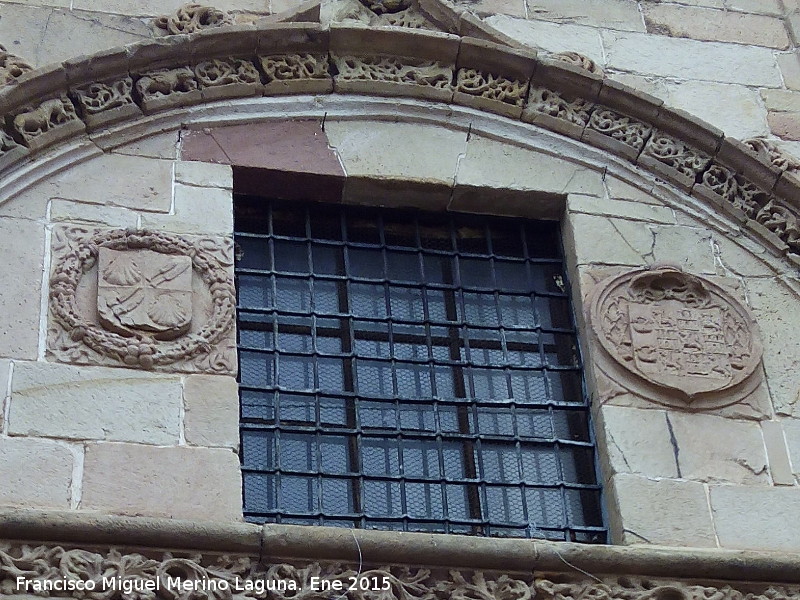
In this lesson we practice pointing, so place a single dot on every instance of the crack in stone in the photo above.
(641, 537)
(624, 239)
(99, 23)
(621, 453)
(674, 441)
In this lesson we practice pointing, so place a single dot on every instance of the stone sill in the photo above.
(272, 542)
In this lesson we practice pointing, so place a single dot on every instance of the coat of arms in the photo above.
(144, 291)
(676, 331)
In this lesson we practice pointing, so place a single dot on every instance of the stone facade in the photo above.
(662, 135)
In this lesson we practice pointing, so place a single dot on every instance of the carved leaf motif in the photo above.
(581, 61)
(190, 18)
(676, 154)
(294, 66)
(769, 151)
(380, 7)
(99, 97)
(551, 103)
(625, 129)
(223, 72)
(493, 87)
(386, 68)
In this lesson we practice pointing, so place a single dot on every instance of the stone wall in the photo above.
(95, 436)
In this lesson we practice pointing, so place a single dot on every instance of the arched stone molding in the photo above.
(84, 96)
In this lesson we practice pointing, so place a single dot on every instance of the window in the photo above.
(411, 371)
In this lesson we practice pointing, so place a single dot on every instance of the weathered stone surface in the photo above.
(781, 100)
(399, 150)
(94, 403)
(716, 450)
(552, 37)
(21, 246)
(785, 124)
(613, 14)
(493, 164)
(636, 441)
(623, 209)
(775, 310)
(739, 255)
(35, 473)
(163, 145)
(49, 35)
(664, 512)
(715, 25)
(147, 184)
(198, 210)
(756, 517)
(202, 174)
(514, 8)
(607, 241)
(780, 469)
(158, 7)
(212, 411)
(688, 247)
(620, 190)
(790, 69)
(179, 482)
(5, 365)
(68, 211)
(690, 59)
(791, 430)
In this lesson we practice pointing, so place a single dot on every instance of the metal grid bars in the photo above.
(412, 371)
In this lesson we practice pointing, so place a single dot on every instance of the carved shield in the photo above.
(679, 346)
(146, 291)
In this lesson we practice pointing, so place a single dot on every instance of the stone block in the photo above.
(591, 240)
(146, 185)
(656, 55)
(397, 150)
(790, 69)
(774, 306)
(198, 210)
(636, 441)
(552, 37)
(426, 194)
(496, 165)
(94, 403)
(780, 469)
(211, 415)
(756, 517)
(204, 174)
(715, 25)
(781, 100)
(49, 35)
(35, 473)
(513, 8)
(22, 248)
(785, 125)
(714, 449)
(67, 211)
(742, 114)
(663, 512)
(620, 190)
(161, 145)
(202, 484)
(623, 209)
(689, 247)
(613, 14)
(791, 430)
(741, 255)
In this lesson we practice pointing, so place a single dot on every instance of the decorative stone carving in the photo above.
(767, 150)
(675, 338)
(626, 130)
(167, 87)
(12, 67)
(142, 299)
(552, 103)
(782, 222)
(580, 61)
(52, 119)
(228, 77)
(666, 150)
(101, 103)
(738, 193)
(190, 18)
(296, 73)
(380, 7)
(395, 70)
(491, 87)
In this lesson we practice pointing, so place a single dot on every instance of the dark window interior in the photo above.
(411, 371)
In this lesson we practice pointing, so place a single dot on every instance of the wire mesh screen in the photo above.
(411, 371)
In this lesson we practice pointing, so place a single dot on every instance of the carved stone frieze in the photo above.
(782, 222)
(624, 129)
(52, 118)
(227, 77)
(190, 18)
(666, 150)
(102, 102)
(491, 87)
(142, 299)
(167, 87)
(108, 574)
(675, 338)
(745, 197)
(283, 69)
(380, 7)
(548, 102)
(395, 70)
(12, 67)
(769, 151)
(580, 61)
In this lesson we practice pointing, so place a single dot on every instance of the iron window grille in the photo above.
(410, 371)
